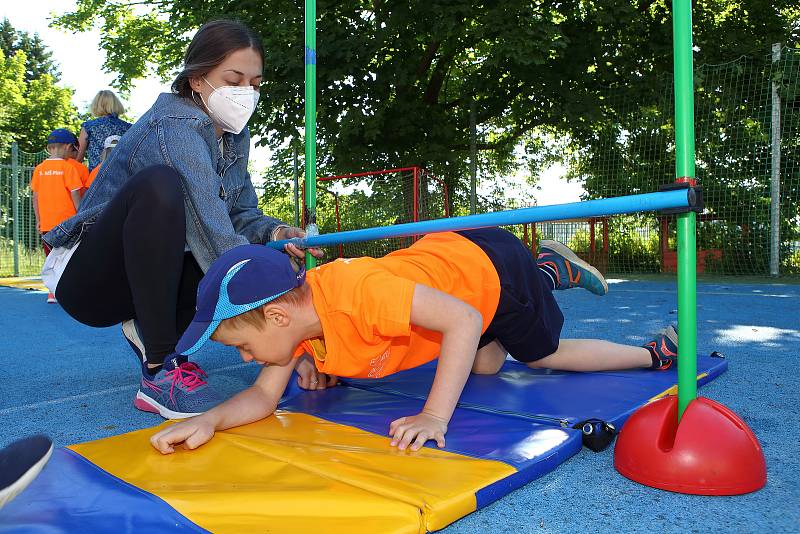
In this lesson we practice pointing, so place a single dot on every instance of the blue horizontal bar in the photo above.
(678, 198)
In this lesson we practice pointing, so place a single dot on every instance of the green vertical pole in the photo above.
(296, 175)
(15, 203)
(311, 118)
(684, 169)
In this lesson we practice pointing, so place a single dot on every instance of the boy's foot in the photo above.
(664, 349)
(51, 299)
(178, 390)
(568, 269)
(130, 329)
(20, 462)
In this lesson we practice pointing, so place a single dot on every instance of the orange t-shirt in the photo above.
(364, 304)
(83, 171)
(92, 176)
(52, 180)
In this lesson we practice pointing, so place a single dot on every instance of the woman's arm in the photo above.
(83, 144)
(209, 231)
(250, 221)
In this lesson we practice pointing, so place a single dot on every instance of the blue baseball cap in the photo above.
(62, 135)
(240, 280)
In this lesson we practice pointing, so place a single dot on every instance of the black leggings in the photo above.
(131, 264)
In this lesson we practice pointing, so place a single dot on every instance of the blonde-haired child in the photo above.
(107, 108)
(56, 186)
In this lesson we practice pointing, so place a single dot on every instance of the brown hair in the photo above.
(212, 43)
(255, 317)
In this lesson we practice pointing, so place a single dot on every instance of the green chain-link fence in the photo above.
(747, 114)
(20, 247)
(747, 123)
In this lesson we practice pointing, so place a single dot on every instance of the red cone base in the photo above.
(711, 452)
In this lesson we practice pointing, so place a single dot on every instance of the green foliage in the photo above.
(38, 60)
(633, 151)
(31, 109)
(581, 242)
(277, 200)
(12, 87)
(46, 108)
(32, 104)
(137, 41)
(395, 79)
(633, 244)
(792, 265)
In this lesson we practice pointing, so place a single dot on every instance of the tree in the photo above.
(33, 104)
(31, 110)
(396, 78)
(12, 87)
(38, 58)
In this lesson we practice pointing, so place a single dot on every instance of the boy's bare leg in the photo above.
(489, 359)
(593, 355)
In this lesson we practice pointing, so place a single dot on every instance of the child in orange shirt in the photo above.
(56, 186)
(108, 145)
(468, 298)
(83, 170)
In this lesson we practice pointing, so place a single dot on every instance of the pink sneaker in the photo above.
(177, 391)
(51, 299)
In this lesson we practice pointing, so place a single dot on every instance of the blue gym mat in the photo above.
(521, 418)
(556, 397)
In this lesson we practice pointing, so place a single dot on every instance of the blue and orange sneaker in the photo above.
(567, 270)
(177, 391)
(664, 349)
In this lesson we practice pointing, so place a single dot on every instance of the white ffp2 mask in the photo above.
(231, 107)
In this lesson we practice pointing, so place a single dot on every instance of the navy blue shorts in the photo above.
(528, 320)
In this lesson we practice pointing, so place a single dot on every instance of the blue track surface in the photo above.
(76, 384)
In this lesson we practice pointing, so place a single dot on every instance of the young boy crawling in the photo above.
(468, 298)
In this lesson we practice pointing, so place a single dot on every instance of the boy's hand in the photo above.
(310, 378)
(192, 433)
(416, 430)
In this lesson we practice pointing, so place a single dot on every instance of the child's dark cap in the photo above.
(240, 280)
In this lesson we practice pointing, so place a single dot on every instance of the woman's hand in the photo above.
(310, 378)
(416, 430)
(288, 233)
(191, 433)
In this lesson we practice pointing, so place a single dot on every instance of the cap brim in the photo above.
(195, 336)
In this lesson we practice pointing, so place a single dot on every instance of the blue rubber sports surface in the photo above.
(76, 383)
(520, 417)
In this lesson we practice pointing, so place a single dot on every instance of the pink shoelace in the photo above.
(188, 374)
(193, 367)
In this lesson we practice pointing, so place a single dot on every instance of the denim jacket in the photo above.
(220, 202)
